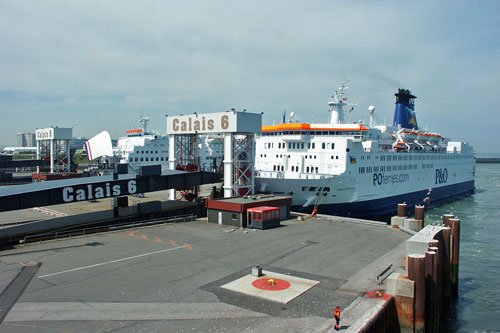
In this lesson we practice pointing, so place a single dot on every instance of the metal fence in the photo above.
(55, 235)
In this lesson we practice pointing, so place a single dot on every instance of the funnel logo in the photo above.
(353, 159)
(413, 120)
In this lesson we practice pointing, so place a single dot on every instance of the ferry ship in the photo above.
(350, 169)
(141, 147)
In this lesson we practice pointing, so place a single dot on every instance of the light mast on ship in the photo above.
(337, 104)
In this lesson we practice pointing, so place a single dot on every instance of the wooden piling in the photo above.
(446, 272)
(446, 219)
(402, 210)
(430, 290)
(455, 254)
(416, 273)
(435, 283)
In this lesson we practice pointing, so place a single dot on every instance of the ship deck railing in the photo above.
(292, 175)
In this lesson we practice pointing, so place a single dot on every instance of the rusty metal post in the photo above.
(455, 254)
(435, 290)
(402, 210)
(416, 273)
(446, 219)
(430, 290)
(446, 277)
(419, 213)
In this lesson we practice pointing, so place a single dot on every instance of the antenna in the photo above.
(371, 110)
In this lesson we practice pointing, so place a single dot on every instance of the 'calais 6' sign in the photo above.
(98, 191)
(219, 122)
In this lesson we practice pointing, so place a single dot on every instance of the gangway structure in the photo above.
(238, 128)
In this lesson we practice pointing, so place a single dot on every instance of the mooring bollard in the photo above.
(455, 254)
(402, 210)
(416, 273)
(419, 213)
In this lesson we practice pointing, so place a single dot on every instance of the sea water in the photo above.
(478, 305)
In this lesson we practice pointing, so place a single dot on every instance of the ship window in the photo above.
(304, 188)
(157, 158)
(161, 158)
(316, 169)
(333, 146)
(332, 157)
(336, 157)
(313, 145)
(137, 159)
(131, 159)
(314, 156)
(302, 145)
(309, 145)
(312, 188)
(147, 159)
(323, 145)
(307, 170)
(142, 159)
(282, 168)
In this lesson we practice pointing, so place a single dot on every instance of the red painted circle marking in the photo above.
(264, 284)
(378, 294)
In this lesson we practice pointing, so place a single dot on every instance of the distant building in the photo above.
(26, 140)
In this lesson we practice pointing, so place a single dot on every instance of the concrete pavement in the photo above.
(169, 277)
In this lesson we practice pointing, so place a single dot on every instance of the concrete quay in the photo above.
(170, 278)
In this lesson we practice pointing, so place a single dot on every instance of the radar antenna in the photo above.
(144, 121)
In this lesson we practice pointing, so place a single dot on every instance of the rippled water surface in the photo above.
(478, 305)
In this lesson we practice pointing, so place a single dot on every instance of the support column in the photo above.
(171, 160)
(38, 155)
(51, 155)
(228, 165)
(68, 154)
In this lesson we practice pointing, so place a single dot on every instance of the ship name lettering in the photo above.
(441, 176)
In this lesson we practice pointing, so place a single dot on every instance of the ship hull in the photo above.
(388, 205)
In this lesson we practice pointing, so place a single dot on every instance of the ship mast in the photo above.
(144, 121)
(337, 104)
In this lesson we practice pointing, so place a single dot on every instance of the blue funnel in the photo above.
(404, 116)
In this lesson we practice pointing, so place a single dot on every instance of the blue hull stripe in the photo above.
(387, 206)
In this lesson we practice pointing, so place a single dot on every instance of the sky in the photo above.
(98, 65)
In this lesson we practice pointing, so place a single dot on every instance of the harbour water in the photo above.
(478, 306)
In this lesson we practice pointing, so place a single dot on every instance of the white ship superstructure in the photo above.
(356, 170)
(141, 147)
